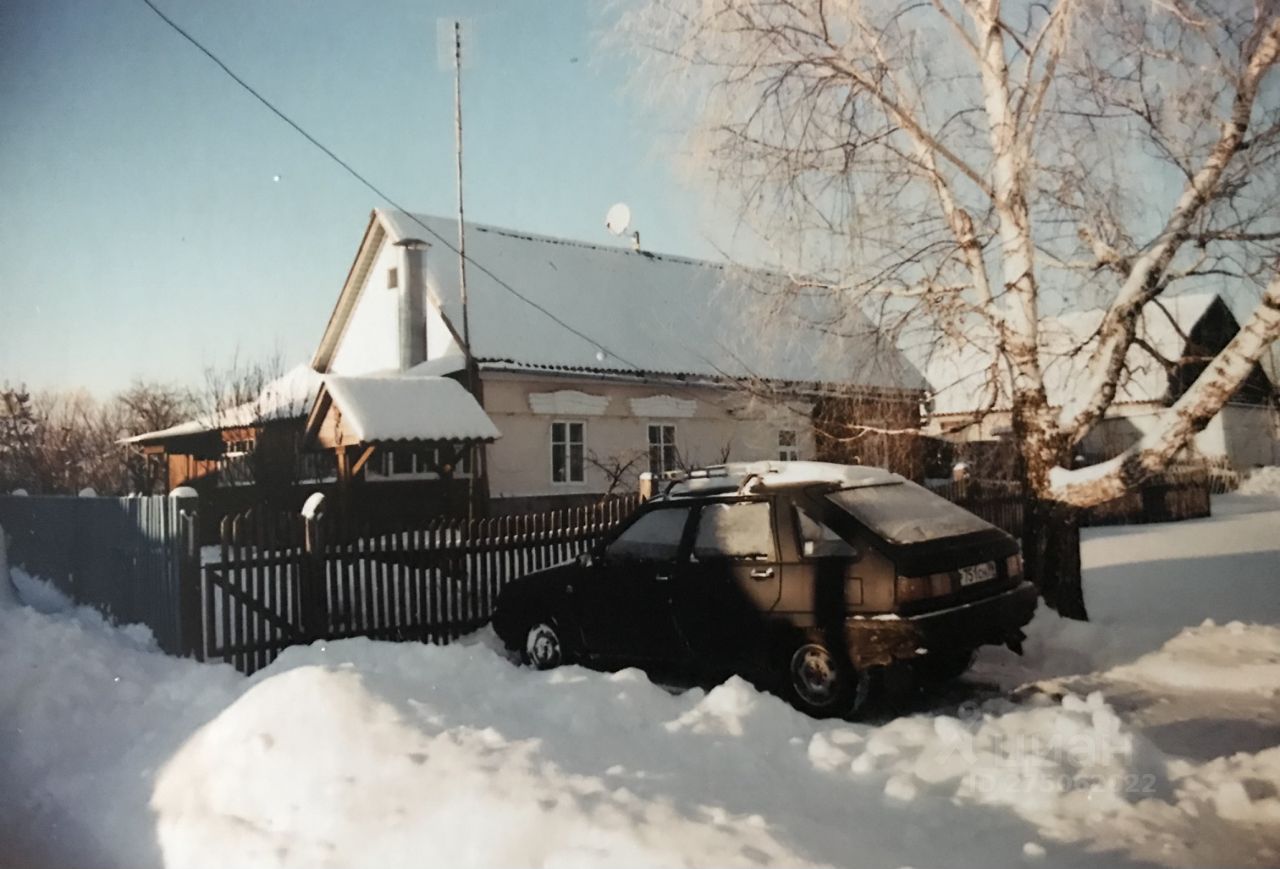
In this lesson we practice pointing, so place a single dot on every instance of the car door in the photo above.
(824, 571)
(724, 592)
(622, 605)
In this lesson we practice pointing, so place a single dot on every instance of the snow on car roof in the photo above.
(768, 475)
(781, 475)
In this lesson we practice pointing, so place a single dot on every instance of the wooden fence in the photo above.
(997, 501)
(132, 559)
(276, 580)
(1176, 494)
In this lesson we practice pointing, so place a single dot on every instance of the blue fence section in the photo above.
(133, 559)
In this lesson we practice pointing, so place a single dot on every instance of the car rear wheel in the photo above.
(543, 647)
(822, 686)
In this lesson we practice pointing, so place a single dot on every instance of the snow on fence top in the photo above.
(651, 313)
(409, 408)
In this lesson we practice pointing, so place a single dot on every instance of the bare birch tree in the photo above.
(960, 169)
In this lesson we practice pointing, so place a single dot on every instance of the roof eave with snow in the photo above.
(397, 409)
(286, 398)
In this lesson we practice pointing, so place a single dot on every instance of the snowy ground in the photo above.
(1148, 736)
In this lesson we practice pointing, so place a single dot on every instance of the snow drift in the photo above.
(359, 753)
(1261, 481)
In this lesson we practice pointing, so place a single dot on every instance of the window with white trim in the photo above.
(788, 450)
(236, 467)
(662, 448)
(414, 461)
(237, 448)
(567, 458)
(403, 460)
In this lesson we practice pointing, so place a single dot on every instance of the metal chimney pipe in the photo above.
(413, 302)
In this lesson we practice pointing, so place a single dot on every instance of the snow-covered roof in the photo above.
(376, 409)
(289, 396)
(595, 308)
(438, 367)
(961, 383)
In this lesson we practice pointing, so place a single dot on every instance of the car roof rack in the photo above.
(683, 475)
(770, 474)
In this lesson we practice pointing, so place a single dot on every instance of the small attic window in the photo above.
(393, 278)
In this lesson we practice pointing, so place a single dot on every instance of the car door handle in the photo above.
(762, 573)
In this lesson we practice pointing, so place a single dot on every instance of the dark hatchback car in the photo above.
(804, 577)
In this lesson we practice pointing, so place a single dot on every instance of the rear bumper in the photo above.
(992, 620)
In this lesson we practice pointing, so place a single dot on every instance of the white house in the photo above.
(592, 363)
(1176, 337)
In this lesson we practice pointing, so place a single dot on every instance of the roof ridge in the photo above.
(525, 235)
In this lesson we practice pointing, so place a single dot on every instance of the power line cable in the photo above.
(375, 189)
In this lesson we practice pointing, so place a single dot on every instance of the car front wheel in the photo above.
(822, 686)
(543, 646)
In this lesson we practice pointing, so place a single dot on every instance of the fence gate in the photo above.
(252, 588)
(276, 580)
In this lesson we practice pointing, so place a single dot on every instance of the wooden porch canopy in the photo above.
(355, 415)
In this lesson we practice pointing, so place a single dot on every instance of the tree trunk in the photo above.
(1050, 527)
(1051, 554)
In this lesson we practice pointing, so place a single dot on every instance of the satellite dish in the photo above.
(618, 218)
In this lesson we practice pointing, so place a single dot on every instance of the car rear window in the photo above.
(905, 513)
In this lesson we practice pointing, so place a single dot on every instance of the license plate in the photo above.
(977, 573)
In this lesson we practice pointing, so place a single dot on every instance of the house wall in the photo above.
(1245, 435)
(370, 342)
(712, 425)
(440, 341)
(188, 470)
(957, 427)
(1250, 435)
(867, 430)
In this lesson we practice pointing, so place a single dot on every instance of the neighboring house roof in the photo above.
(400, 408)
(289, 396)
(611, 310)
(961, 383)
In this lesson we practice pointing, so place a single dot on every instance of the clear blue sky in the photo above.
(142, 233)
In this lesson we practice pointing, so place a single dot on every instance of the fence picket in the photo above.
(432, 583)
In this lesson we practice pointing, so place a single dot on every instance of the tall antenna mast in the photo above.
(462, 233)
(462, 259)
